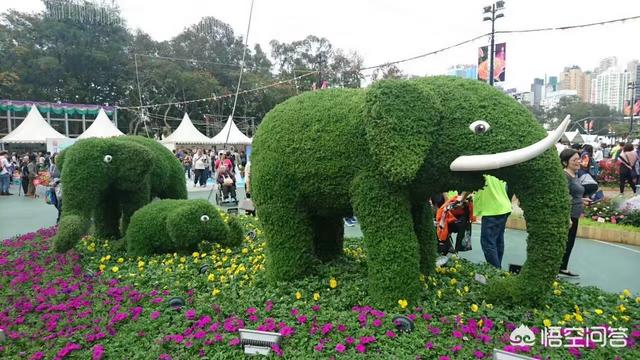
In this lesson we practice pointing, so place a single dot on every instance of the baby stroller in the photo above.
(454, 216)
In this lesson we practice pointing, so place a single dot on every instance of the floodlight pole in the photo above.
(632, 86)
(493, 10)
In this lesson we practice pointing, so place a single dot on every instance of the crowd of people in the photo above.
(201, 165)
(25, 167)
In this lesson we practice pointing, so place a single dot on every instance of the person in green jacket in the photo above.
(494, 205)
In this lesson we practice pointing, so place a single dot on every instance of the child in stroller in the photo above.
(453, 215)
(226, 184)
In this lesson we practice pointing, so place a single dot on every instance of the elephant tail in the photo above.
(71, 229)
(235, 233)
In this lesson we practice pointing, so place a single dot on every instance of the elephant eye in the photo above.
(204, 218)
(108, 158)
(479, 127)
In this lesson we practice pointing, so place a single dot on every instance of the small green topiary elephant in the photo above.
(168, 226)
(108, 180)
(380, 152)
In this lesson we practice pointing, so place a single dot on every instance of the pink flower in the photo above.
(315, 308)
(97, 352)
(135, 313)
(37, 356)
(268, 306)
(178, 338)
(154, 315)
(157, 300)
(444, 357)
(428, 345)
(326, 328)
(434, 330)
(349, 340)
(361, 348)
(456, 348)
(234, 342)
(217, 338)
(294, 312)
(319, 347)
(340, 348)
(342, 328)
(199, 335)
(190, 314)
(457, 334)
(253, 318)
(287, 331)
(251, 311)
(302, 320)
(67, 349)
(376, 323)
(478, 354)
(426, 316)
(276, 349)
(390, 334)
(164, 357)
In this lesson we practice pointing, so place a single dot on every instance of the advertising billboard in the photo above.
(499, 62)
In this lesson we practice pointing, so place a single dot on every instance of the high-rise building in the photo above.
(574, 79)
(607, 63)
(552, 99)
(610, 88)
(553, 83)
(464, 71)
(536, 91)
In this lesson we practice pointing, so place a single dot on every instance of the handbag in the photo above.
(589, 183)
(227, 181)
(625, 162)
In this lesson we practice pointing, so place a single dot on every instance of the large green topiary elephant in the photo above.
(168, 226)
(109, 179)
(380, 152)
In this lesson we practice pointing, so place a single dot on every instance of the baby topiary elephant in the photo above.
(168, 226)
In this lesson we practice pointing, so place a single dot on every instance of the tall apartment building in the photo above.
(574, 78)
(610, 88)
(536, 91)
(607, 63)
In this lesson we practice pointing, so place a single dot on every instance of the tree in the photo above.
(388, 72)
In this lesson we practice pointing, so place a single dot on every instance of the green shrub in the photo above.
(168, 226)
(632, 218)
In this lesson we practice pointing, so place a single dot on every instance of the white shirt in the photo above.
(597, 156)
(200, 161)
(5, 165)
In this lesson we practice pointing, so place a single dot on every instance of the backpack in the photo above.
(50, 196)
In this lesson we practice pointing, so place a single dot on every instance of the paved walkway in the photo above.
(611, 267)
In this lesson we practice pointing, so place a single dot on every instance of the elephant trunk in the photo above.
(541, 187)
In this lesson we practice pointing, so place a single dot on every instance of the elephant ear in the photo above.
(399, 120)
(187, 228)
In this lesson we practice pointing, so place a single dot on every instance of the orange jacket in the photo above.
(448, 214)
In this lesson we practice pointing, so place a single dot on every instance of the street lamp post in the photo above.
(493, 13)
(632, 86)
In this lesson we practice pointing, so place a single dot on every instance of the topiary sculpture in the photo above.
(109, 179)
(168, 226)
(380, 152)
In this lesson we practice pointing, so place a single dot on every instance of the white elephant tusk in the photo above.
(508, 158)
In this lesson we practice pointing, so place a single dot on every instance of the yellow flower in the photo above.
(211, 277)
(567, 317)
(403, 303)
(183, 259)
(625, 318)
(555, 284)
(489, 306)
(298, 295)
(578, 317)
(626, 293)
(598, 311)
(120, 260)
(195, 254)
(557, 292)
(621, 308)
(638, 300)
(316, 296)
(140, 263)
(474, 308)
(245, 251)
(453, 281)
(333, 283)
(466, 288)
(108, 257)
(215, 292)
(439, 293)
(115, 269)
(547, 323)
(480, 322)
(101, 267)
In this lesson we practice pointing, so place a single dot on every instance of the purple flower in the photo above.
(164, 357)
(426, 316)
(340, 348)
(326, 328)
(361, 348)
(456, 348)
(251, 311)
(444, 357)
(234, 342)
(294, 312)
(390, 334)
(190, 314)
(434, 330)
(428, 345)
(287, 331)
(479, 354)
(276, 349)
(457, 334)
(154, 315)
(37, 356)
(302, 320)
(268, 306)
(376, 323)
(315, 308)
(342, 328)
(349, 340)
(319, 347)
(199, 335)
(97, 352)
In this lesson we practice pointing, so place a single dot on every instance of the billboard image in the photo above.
(636, 108)
(499, 62)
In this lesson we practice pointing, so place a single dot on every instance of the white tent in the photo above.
(573, 137)
(186, 133)
(230, 134)
(101, 127)
(33, 130)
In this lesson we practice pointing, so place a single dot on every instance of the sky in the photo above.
(387, 30)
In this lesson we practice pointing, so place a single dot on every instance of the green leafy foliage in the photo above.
(380, 152)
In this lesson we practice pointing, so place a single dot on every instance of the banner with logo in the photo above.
(499, 62)
(636, 108)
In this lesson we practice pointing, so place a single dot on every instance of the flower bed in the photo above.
(95, 302)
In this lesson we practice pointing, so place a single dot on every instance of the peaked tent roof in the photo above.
(33, 130)
(236, 137)
(186, 133)
(101, 127)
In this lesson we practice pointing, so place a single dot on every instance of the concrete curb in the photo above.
(589, 232)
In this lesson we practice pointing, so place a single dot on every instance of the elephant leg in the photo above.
(133, 202)
(289, 239)
(71, 228)
(106, 218)
(393, 256)
(328, 237)
(425, 232)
